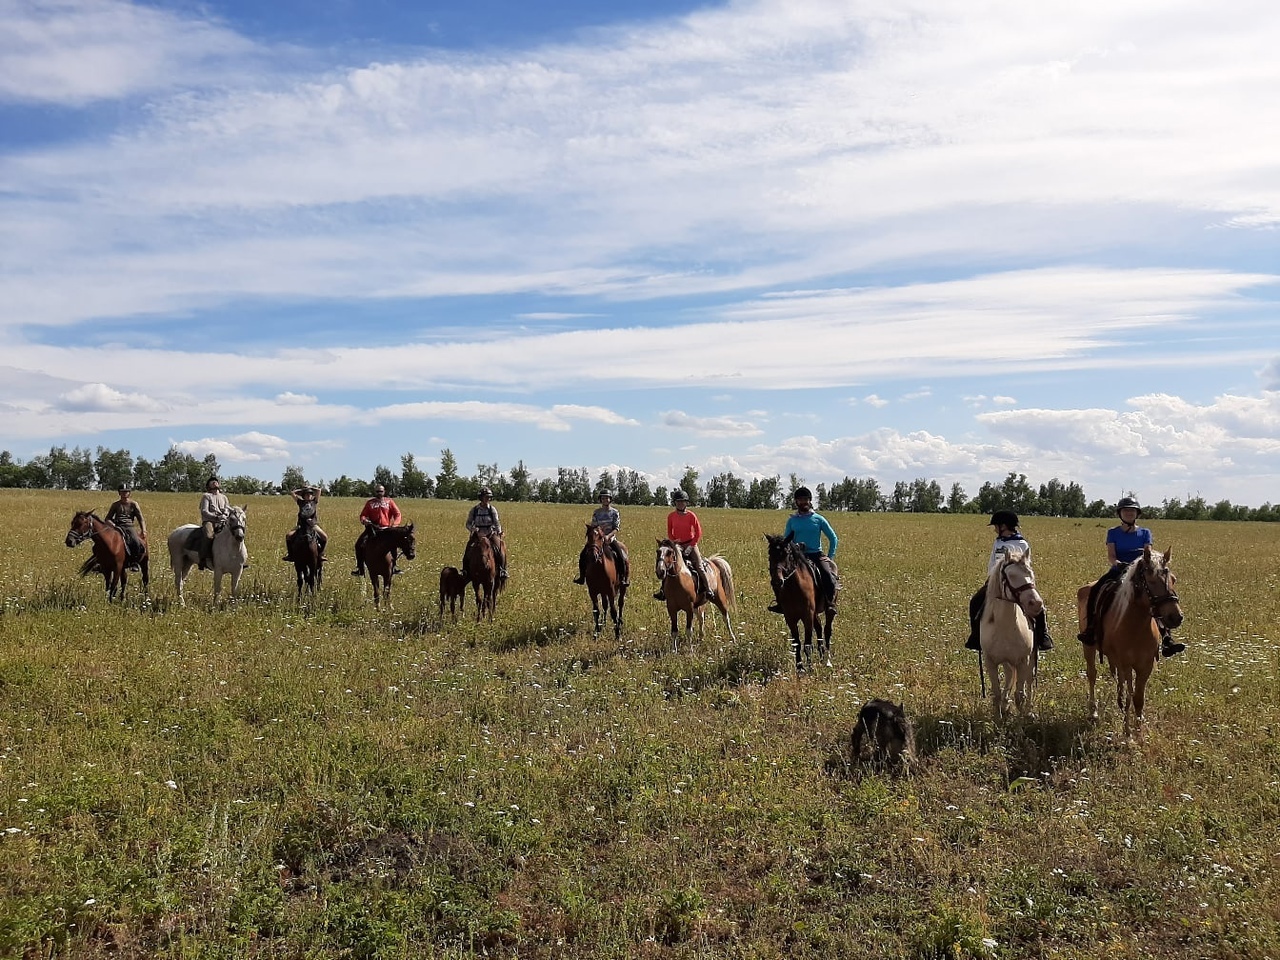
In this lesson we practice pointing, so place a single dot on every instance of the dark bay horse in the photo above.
(680, 587)
(109, 557)
(454, 589)
(796, 585)
(481, 564)
(604, 583)
(379, 558)
(1127, 634)
(303, 551)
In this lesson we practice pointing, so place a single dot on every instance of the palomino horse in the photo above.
(796, 585)
(680, 587)
(603, 581)
(481, 564)
(454, 589)
(229, 553)
(303, 550)
(1126, 632)
(109, 554)
(380, 557)
(1006, 635)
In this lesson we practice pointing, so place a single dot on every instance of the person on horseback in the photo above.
(379, 511)
(483, 519)
(214, 510)
(809, 527)
(1008, 538)
(607, 518)
(1125, 543)
(124, 513)
(684, 530)
(308, 501)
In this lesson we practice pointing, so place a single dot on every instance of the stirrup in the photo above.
(579, 580)
(1171, 648)
(774, 608)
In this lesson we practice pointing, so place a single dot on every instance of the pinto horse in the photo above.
(109, 557)
(796, 586)
(303, 551)
(1127, 635)
(380, 558)
(604, 582)
(481, 564)
(1006, 634)
(680, 587)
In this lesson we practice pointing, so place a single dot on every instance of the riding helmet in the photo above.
(123, 488)
(486, 492)
(1128, 502)
(605, 493)
(1006, 517)
(678, 496)
(802, 492)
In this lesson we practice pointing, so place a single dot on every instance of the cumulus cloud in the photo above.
(252, 447)
(296, 399)
(872, 400)
(98, 397)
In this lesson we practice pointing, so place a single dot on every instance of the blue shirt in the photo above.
(809, 529)
(1129, 544)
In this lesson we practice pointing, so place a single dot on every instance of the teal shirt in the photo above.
(809, 529)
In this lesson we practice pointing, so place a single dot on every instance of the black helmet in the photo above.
(486, 492)
(123, 488)
(1128, 502)
(605, 493)
(678, 496)
(1005, 518)
(802, 492)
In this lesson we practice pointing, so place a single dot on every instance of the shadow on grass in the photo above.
(535, 636)
(739, 665)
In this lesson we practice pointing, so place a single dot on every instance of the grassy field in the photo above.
(269, 780)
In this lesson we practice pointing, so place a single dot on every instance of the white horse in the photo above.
(1006, 632)
(229, 553)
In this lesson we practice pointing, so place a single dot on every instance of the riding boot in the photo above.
(776, 606)
(581, 578)
(659, 595)
(973, 643)
(1040, 633)
(1168, 646)
(976, 603)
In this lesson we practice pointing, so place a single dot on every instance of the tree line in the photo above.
(176, 471)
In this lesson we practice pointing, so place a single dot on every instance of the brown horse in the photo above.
(796, 586)
(454, 589)
(109, 558)
(604, 583)
(481, 564)
(1126, 632)
(303, 551)
(379, 557)
(680, 587)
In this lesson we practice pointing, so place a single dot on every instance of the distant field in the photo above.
(276, 780)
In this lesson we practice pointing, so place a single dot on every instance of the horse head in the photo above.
(1017, 583)
(81, 528)
(408, 541)
(669, 560)
(237, 522)
(1158, 581)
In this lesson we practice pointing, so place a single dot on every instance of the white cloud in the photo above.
(252, 447)
(872, 400)
(296, 399)
(709, 426)
(557, 417)
(98, 397)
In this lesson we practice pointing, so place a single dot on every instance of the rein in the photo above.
(1152, 599)
(86, 535)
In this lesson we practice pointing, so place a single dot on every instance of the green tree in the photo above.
(113, 467)
(447, 480)
(957, 501)
(414, 481)
(292, 479)
(519, 487)
(382, 475)
(689, 484)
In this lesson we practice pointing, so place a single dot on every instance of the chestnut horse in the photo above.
(604, 583)
(1005, 632)
(680, 587)
(379, 558)
(1126, 632)
(454, 589)
(481, 564)
(796, 586)
(109, 556)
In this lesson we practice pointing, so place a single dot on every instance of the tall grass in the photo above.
(273, 779)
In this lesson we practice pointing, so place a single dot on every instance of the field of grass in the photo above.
(275, 780)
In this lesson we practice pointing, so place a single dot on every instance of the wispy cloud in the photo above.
(710, 426)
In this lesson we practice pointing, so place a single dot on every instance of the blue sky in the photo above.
(942, 240)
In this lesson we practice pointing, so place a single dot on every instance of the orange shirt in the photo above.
(683, 528)
(383, 512)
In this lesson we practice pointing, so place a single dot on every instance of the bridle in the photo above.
(1155, 601)
(1009, 592)
(77, 537)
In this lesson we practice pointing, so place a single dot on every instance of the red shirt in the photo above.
(382, 512)
(683, 528)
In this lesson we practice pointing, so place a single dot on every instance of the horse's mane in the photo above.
(1129, 585)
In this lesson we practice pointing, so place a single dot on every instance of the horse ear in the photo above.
(1146, 553)
(1167, 554)
(409, 527)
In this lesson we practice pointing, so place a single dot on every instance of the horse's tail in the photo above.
(726, 579)
(90, 566)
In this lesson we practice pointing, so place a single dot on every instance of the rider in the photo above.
(214, 510)
(1008, 538)
(1125, 543)
(124, 513)
(607, 518)
(684, 530)
(379, 511)
(307, 499)
(809, 527)
(483, 519)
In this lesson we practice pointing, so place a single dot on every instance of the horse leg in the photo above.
(797, 648)
(1091, 671)
(1140, 699)
(145, 564)
(826, 636)
(1022, 688)
(595, 614)
(998, 692)
(675, 626)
